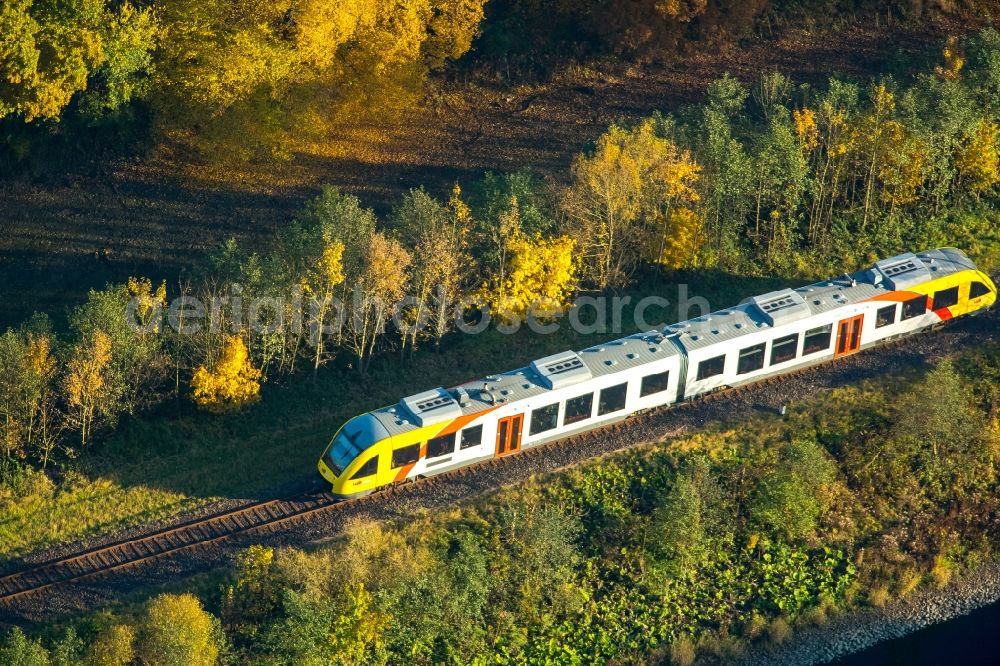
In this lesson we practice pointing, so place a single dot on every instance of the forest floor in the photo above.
(68, 231)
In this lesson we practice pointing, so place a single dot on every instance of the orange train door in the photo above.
(848, 336)
(509, 435)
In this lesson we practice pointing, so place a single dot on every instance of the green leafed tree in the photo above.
(19, 650)
(790, 499)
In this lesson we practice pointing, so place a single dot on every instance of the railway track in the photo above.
(259, 516)
(273, 515)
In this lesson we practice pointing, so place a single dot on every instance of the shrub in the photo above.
(909, 581)
(879, 596)
(177, 631)
(942, 570)
(682, 651)
(779, 631)
(755, 626)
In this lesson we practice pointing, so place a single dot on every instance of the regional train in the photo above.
(564, 394)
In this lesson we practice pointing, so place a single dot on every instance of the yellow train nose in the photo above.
(326, 472)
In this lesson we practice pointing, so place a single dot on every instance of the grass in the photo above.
(174, 458)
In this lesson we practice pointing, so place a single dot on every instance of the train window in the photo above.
(441, 446)
(367, 469)
(472, 437)
(945, 298)
(544, 418)
(817, 339)
(711, 367)
(914, 307)
(579, 409)
(612, 399)
(751, 358)
(654, 384)
(784, 349)
(977, 289)
(405, 456)
(885, 316)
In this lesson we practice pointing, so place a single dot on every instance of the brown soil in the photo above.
(158, 215)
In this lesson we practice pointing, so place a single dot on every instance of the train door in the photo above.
(509, 435)
(848, 336)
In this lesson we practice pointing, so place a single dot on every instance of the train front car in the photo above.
(350, 462)
(954, 286)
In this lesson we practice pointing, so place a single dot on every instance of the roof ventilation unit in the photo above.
(561, 370)
(903, 271)
(462, 396)
(432, 407)
(780, 307)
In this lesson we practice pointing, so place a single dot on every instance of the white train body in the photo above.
(566, 393)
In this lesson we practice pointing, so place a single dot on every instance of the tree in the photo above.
(19, 650)
(47, 50)
(633, 175)
(124, 75)
(944, 446)
(535, 565)
(789, 500)
(29, 419)
(91, 390)
(177, 631)
(68, 649)
(253, 595)
(878, 136)
(345, 630)
(828, 147)
(320, 283)
(682, 239)
(231, 382)
(728, 170)
(979, 160)
(129, 315)
(330, 219)
(273, 72)
(688, 521)
(50, 49)
(540, 279)
(113, 646)
(780, 178)
(437, 237)
(380, 288)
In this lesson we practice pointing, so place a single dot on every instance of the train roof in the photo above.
(537, 378)
(788, 305)
(757, 313)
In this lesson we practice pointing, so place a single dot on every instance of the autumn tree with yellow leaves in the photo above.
(380, 287)
(176, 629)
(320, 285)
(621, 199)
(30, 423)
(539, 278)
(230, 383)
(258, 75)
(91, 390)
(52, 50)
(979, 160)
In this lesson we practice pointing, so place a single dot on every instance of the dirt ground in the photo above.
(159, 214)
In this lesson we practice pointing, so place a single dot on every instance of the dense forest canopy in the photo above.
(253, 77)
